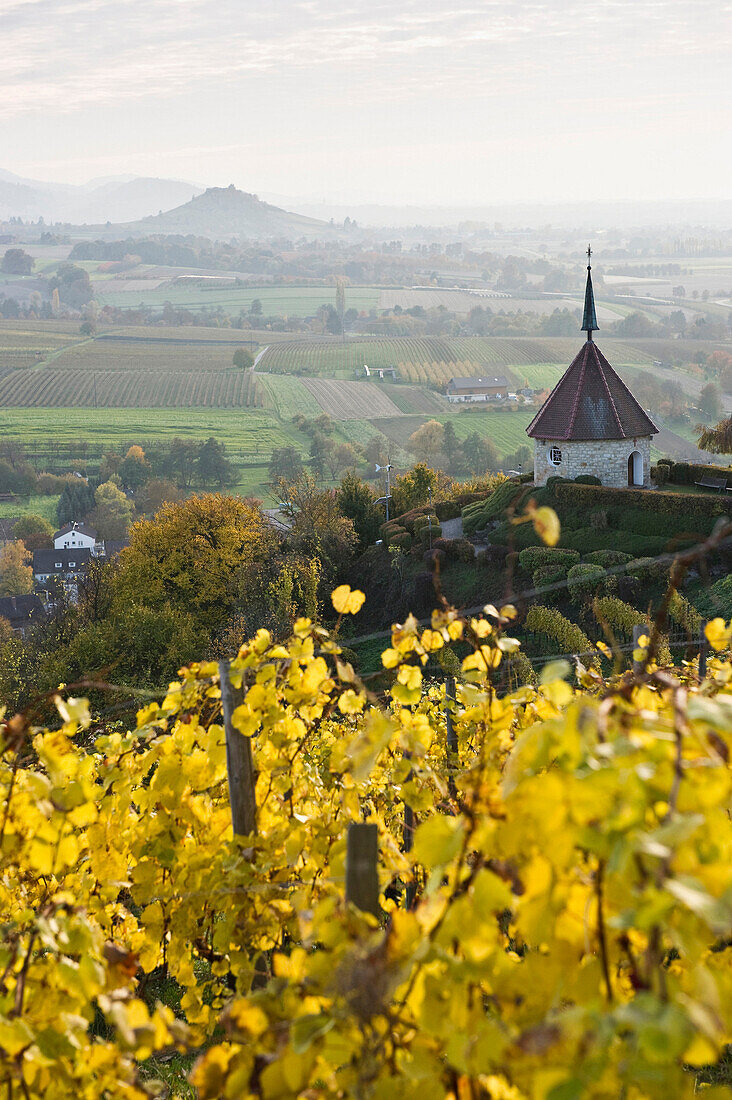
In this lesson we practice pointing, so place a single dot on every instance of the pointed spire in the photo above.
(589, 321)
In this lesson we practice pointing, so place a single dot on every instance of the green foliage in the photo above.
(585, 581)
(550, 557)
(586, 497)
(356, 502)
(587, 479)
(504, 496)
(608, 559)
(648, 570)
(716, 600)
(75, 502)
(34, 531)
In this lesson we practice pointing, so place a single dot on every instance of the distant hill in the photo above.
(224, 212)
(115, 200)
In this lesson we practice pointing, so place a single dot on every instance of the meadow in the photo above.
(282, 301)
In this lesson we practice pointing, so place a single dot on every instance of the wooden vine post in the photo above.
(239, 762)
(703, 647)
(362, 879)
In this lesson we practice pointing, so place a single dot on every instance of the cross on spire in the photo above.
(589, 320)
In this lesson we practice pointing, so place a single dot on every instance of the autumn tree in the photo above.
(135, 469)
(412, 489)
(16, 575)
(201, 555)
(428, 441)
(34, 531)
(319, 529)
(156, 492)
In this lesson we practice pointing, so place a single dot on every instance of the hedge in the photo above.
(503, 496)
(555, 557)
(584, 581)
(648, 570)
(587, 539)
(688, 473)
(607, 559)
(586, 497)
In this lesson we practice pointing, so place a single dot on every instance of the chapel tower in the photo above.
(591, 423)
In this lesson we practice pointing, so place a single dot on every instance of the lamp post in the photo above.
(387, 469)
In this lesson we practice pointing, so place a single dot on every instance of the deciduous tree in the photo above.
(16, 575)
(200, 555)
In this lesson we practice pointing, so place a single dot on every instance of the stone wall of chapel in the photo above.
(603, 458)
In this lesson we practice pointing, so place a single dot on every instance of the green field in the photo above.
(36, 506)
(282, 301)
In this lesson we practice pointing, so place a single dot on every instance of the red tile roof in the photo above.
(590, 401)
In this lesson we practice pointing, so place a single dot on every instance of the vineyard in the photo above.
(282, 883)
(350, 400)
(429, 359)
(52, 387)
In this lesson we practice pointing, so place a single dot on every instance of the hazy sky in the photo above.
(470, 101)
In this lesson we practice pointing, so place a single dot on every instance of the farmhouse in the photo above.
(476, 389)
(591, 423)
(73, 536)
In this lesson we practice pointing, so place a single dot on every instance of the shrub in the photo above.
(463, 550)
(422, 521)
(495, 554)
(448, 509)
(648, 570)
(423, 534)
(717, 599)
(684, 614)
(585, 581)
(537, 557)
(505, 495)
(545, 578)
(587, 479)
(607, 559)
(660, 474)
(599, 519)
(586, 497)
(400, 538)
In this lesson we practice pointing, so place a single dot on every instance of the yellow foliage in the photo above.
(572, 864)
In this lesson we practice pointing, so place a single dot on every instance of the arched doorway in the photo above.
(635, 468)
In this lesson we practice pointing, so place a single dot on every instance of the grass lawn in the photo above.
(35, 506)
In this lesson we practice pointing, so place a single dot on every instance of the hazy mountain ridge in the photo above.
(115, 200)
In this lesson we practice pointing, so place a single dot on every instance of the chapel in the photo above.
(590, 423)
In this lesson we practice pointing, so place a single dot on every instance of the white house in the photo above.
(77, 536)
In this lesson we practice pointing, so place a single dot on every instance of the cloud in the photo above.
(62, 55)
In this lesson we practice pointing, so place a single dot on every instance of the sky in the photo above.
(396, 101)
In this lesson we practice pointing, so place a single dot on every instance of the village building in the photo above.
(591, 423)
(21, 612)
(65, 567)
(476, 389)
(73, 536)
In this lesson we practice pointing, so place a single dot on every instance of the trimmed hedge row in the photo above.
(572, 495)
(688, 473)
